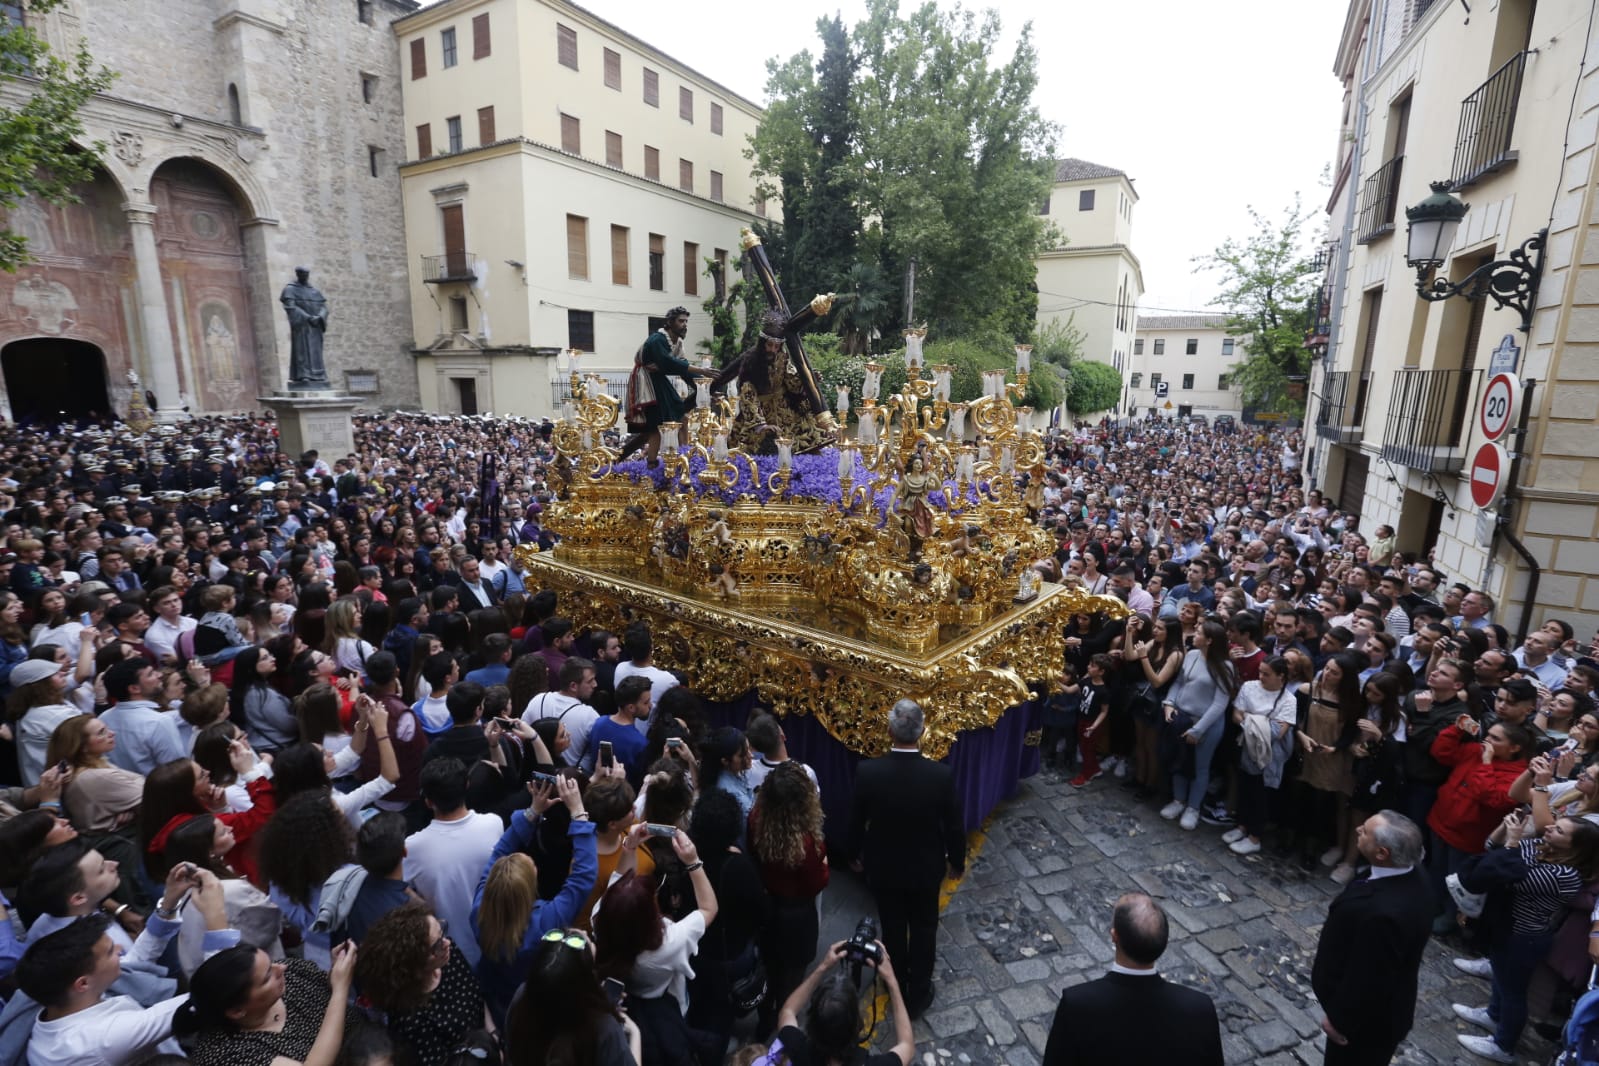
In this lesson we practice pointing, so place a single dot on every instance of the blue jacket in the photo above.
(500, 978)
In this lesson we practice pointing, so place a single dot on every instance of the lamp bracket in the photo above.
(1509, 282)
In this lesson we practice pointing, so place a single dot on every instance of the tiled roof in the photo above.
(1082, 169)
(1182, 322)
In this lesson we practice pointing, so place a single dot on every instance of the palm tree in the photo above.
(863, 310)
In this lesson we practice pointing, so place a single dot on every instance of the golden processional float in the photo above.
(894, 564)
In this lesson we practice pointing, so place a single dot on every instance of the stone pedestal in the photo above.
(314, 420)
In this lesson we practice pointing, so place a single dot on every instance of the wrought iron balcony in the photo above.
(1332, 417)
(1429, 418)
(1487, 119)
(451, 266)
(1379, 200)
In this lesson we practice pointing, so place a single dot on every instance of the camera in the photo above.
(861, 948)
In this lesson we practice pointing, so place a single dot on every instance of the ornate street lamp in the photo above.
(1510, 282)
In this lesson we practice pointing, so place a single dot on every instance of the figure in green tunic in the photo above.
(651, 399)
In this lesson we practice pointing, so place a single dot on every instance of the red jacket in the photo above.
(1476, 797)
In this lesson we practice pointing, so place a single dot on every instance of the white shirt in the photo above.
(667, 968)
(444, 861)
(110, 1033)
(660, 681)
(579, 719)
(162, 636)
(351, 804)
(760, 768)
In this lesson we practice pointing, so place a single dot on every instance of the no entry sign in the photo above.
(1488, 468)
(1498, 405)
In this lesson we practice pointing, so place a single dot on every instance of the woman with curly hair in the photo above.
(246, 1010)
(307, 842)
(561, 1014)
(409, 969)
(786, 842)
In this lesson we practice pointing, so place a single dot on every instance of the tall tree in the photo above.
(947, 160)
(1269, 282)
(37, 154)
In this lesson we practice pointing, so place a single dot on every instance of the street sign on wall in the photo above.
(1487, 473)
(1498, 405)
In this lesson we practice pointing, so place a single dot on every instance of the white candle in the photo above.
(1007, 460)
(846, 463)
(669, 432)
(867, 428)
(588, 440)
(941, 376)
(702, 394)
(1024, 358)
(843, 400)
(913, 348)
(785, 453)
(719, 447)
(874, 381)
(996, 383)
(957, 421)
(568, 411)
(963, 465)
(576, 357)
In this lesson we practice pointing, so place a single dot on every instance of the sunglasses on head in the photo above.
(571, 940)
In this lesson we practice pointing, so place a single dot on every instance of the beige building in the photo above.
(242, 138)
(564, 185)
(1499, 107)
(1092, 279)
(1191, 355)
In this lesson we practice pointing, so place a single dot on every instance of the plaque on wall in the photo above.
(361, 381)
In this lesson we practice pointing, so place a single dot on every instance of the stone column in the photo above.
(160, 359)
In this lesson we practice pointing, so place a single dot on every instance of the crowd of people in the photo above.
(304, 772)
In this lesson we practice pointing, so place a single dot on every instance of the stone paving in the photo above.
(1033, 914)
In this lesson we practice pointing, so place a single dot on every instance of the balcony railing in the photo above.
(1379, 200)
(451, 266)
(1429, 416)
(1330, 416)
(1487, 119)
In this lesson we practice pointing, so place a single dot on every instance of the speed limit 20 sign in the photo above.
(1498, 405)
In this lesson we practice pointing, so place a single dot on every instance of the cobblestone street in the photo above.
(1033, 914)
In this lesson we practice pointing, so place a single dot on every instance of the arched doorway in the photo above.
(51, 379)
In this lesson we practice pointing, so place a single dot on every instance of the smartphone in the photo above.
(613, 990)
(607, 757)
(508, 723)
(85, 619)
(548, 779)
(674, 742)
(63, 766)
(655, 829)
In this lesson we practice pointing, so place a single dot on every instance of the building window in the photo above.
(720, 255)
(685, 175)
(458, 314)
(1224, 382)
(419, 58)
(613, 149)
(1160, 345)
(374, 159)
(1137, 380)
(580, 330)
(235, 109)
(1227, 346)
(571, 135)
(363, 11)
(424, 140)
(716, 119)
(685, 104)
(1138, 346)
(760, 207)
(485, 125)
(1191, 346)
(652, 88)
(369, 88)
(716, 185)
(452, 126)
(657, 262)
(613, 70)
(577, 247)
(652, 163)
(566, 46)
(619, 267)
(1154, 381)
(1188, 381)
(482, 44)
(447, 46)
(691, 269)
(1085, 200)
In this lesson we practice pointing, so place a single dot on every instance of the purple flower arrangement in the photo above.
(812, 477)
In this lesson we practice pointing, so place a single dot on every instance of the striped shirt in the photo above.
(1539, 897)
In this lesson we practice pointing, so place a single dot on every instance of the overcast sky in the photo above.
(1209, 108)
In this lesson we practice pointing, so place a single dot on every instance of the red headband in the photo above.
(158, 843)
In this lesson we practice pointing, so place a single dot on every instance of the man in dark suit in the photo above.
(905, 829)
(1371, 946)
(1132, 1016)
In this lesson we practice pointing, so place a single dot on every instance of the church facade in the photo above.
(240, 140)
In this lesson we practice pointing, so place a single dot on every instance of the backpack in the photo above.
(1580, 1038)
